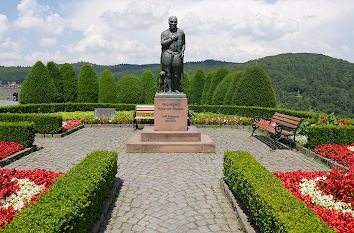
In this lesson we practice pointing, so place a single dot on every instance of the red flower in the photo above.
(8, 148)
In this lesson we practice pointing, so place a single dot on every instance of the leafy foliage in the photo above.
(222, 88)
(330, 134)
(149, 86)
(21, 132)
(68, 74)
(197, 85)
(106, 87)
(232, 87)
(130, 90)
(186, 85)
(207, 83)
(255, 89)
(38, 87)
(88, 85)
(217, 78)
(54, 73)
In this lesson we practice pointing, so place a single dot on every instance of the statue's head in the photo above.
(172, 21)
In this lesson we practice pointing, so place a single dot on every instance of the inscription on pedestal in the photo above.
(171, 114)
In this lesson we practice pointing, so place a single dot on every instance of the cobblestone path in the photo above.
(169, 192)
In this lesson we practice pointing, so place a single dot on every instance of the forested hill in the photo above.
(302, 81)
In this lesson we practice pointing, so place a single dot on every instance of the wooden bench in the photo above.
(143, 109)
(285, 126)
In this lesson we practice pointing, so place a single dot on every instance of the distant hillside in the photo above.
(302, 81)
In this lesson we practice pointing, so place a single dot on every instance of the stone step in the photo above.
(205, 145)
(148, 134)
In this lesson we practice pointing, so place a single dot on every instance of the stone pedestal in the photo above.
(170, 132)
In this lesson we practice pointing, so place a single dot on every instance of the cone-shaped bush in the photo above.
(149, 86)
(186, 85)
(54, 73)
(217, 78)
(106, 87)
(38, 87)
(68, 74)
(197, 85)
(255, 89)
(207, 82)
(232, 87)
(130, 90)
(88, 85)
(221, 89)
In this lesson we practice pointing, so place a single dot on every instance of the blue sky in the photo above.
(126, 31)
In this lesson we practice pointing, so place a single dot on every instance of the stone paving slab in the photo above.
(166, 192)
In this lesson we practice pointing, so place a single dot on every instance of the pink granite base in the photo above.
(190, 141)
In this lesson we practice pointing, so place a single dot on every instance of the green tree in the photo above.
(207, 82)
(232, 87)
(255, 89)
(88, 85)
(130, 90)
(106, 87)
(38, 87)
(149, 86)
(185, 85)
(54, 73)
(68, 74)
(217, 78)
(221, 90)
(197, 84)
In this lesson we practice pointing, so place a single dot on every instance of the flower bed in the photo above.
(329, 194)
(8, 148)
(18, 188)
(70, 124)
(343, 154)
(219, 119)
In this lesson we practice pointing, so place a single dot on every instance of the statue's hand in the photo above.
(181, 55)
(175, 37)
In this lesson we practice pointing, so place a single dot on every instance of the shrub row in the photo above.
(273, 208)
(64, 107)
(21, 132)
(330, 134)
(74, 202)
(44, 123)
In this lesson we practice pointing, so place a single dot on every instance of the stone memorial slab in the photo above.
(105, 113)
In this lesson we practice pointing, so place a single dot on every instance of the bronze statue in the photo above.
(173, 46)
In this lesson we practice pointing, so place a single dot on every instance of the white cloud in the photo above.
(3, 25)
(35, 16)
(48, 41)
(45, 57)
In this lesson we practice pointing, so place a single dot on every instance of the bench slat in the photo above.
(144, 117)
(271, 129)
(280, 121)
(145, 111)
(296, 119)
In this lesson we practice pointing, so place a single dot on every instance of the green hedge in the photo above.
(21, 132)
(273, 208)
(330, 134)
(44, 123)
(74, 202)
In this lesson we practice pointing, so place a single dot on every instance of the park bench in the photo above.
(284, 126)
(141, 109)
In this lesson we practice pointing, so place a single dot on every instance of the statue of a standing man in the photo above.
(173, 45)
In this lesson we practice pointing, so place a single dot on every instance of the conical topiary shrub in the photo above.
(88, 85)
(68, 74)
(186, 85)
(217, 78)
(197, 85)
(232, 87)
(255, 89)
(106, 87)
(38, 87)
(149, 86)
(54, 73)
(130, 90)
(221, 89)
(207, 82)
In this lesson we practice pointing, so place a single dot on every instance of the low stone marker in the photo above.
(105, 113)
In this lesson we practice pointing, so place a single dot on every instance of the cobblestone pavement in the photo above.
(167, 192)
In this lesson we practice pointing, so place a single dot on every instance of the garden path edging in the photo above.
(60, 135)
(19, 154)
(236, 205)
(324, 160)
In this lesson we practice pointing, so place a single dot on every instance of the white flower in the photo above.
(308, 187)
(351, 148)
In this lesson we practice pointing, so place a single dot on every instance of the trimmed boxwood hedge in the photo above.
(44, 123)
(75, 200)
(21, 132)
(273, 207)
(330, 134)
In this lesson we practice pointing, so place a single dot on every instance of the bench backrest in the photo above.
(144, 108)
(286, 120)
